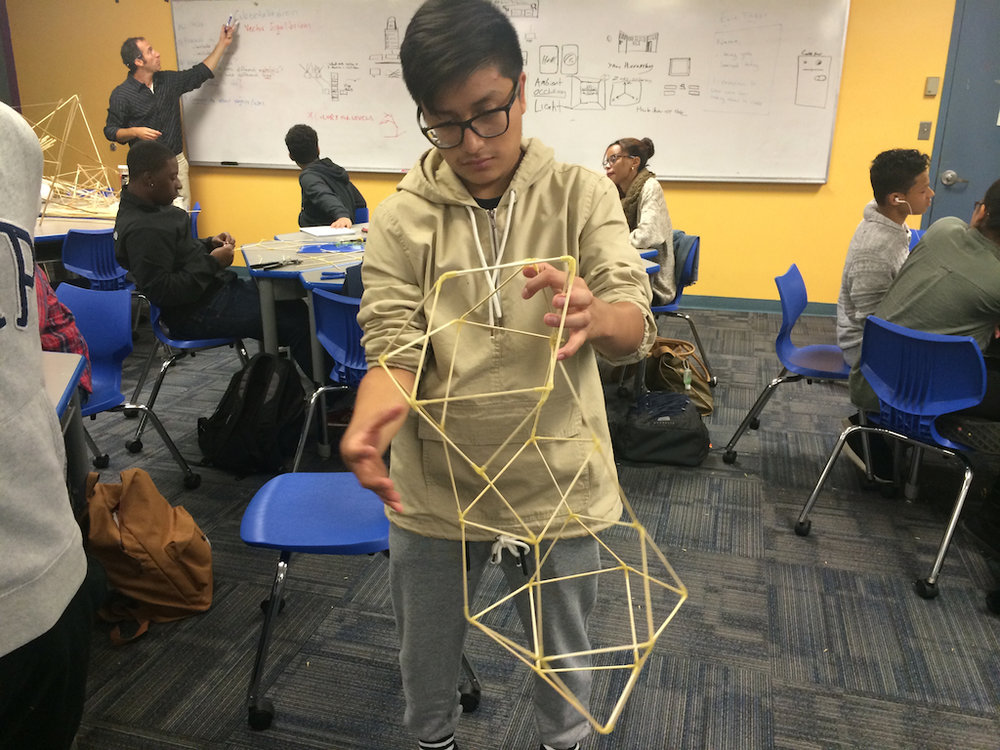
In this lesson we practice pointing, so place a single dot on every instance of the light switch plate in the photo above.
(924, 131)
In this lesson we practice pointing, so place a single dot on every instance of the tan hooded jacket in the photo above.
(498, 361)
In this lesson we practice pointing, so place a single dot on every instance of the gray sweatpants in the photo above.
(425, 576)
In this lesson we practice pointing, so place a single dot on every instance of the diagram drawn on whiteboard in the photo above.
(386, 63)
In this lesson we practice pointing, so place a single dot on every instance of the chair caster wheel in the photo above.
(133, 446)
(714, 381)
(192, 481)
(265, 602)
(924, 589)
(470, 699)
(260, 714)
(729, 457)
(101, 462)
(754, 423)
(130, 413)
(802, 528)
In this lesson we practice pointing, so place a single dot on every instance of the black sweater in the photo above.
(172, 268)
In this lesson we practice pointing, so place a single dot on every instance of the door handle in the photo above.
(950, 177)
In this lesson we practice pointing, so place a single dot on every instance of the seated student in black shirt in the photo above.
(328, 196)
(189, 278)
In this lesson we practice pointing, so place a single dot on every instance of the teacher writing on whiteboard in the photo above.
(146, 105)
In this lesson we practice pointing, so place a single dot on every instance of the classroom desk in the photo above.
(61, 374)
(284, 279)
(54, 228)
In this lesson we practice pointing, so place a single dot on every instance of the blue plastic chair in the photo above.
(815, 362)
(915, 235)
(338, 332)
(104, 320)
(917, 377)
(361, 215)
(90, 253)
(318, 513)
(176, 349)
(687, 250)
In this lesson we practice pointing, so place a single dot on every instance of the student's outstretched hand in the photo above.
(361, 453)
(344, 223)
(578, 302)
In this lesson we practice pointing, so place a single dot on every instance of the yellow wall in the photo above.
(750, 233)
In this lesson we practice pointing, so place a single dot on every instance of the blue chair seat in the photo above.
(814, 362)
(818, 361)
(327, 514)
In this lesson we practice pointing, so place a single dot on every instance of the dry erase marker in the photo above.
(230, 21)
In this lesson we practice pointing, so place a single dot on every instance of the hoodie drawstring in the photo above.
(495, 311)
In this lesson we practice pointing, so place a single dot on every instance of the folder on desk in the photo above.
(328, 231)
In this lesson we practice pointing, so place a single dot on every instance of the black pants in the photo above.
(43, 683)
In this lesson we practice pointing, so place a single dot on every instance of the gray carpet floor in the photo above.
(785, 642)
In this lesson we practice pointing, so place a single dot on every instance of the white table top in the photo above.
(55, 227)
(61, 373)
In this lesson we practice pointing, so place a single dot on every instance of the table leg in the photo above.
(269, 321)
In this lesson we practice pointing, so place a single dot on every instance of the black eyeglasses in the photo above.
(490, 124)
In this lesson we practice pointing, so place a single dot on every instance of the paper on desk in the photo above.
(328, 231)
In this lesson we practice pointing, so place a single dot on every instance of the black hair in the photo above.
(131, 51)
(991, 201)
(446, 41)
(302, 143)
(634, 147)
(895, 171)
(147, 156)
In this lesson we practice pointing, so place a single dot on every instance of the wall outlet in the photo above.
(924, 131)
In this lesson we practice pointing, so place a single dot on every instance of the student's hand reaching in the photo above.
(344, 223)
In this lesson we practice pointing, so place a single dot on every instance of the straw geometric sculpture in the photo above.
(639, 591)
(75, 181)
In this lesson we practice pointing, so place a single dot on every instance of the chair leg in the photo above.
(712, 379)
(260, 711)
(927, 587)
(803, 524)
(137, 439)
(470, 691)
(101, 460)
(317, 396)
(912, 486)
(751, 420)
(191, 479)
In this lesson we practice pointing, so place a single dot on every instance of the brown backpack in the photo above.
(157, 559)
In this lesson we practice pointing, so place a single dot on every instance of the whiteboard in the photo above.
(728, 90)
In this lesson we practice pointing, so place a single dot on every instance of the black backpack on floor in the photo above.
(256, 426)
(654, 427)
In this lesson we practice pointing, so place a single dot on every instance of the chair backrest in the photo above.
(104, 317)
(686, 254)
(91, 253)
(195, 211)
(361, 215)
(919, 376)
(792, 292)
(915, 235)
(340, 335)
